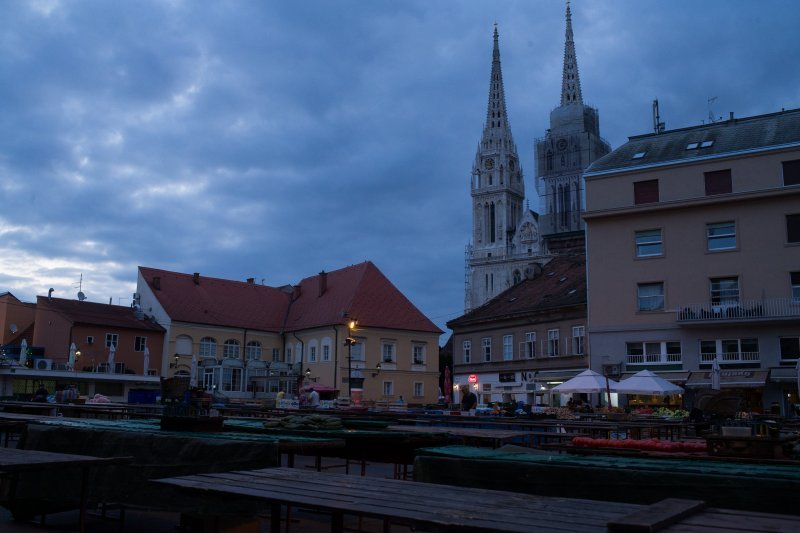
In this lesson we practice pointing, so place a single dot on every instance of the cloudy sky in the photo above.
(276, 139)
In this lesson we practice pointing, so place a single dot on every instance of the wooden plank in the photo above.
(729, 519)
(656, 516)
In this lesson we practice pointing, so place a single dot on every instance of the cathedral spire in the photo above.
(570, 81)
(496, 130)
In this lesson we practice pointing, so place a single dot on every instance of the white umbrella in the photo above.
(587, 381)
(146, 359)
(23, 352)
(72, 350)
(715, 375)
(112, 351)
(646, 382)
(193, 372)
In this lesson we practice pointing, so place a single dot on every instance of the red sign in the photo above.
(473, 378)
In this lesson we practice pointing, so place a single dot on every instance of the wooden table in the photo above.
(15, 461)
(472, 436)
(424, 505)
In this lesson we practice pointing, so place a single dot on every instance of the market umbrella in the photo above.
(193, 372)
(23, 352)
(146, 359)
(646, 382)
(715, 375)
(112, 351)
(448, 385)
(587, 381)
(72, 350)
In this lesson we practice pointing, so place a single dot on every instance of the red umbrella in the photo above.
(448, 384)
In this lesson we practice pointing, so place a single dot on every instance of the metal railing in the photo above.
(655, 358)
(741, 310)
(731, 357)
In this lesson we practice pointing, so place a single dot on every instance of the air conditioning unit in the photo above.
(43, 364)
(612, 370)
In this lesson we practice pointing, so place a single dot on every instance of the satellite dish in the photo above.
(13, 328)
(81, 296)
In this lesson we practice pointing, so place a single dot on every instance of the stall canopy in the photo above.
(647, 382)
(729, 379)
(588, 382)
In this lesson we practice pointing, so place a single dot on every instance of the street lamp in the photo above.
(77, 359)
(176, 358)
(349, 342)
(377, 370)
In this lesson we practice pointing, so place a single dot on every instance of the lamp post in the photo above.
(77, 360)
(349, 342)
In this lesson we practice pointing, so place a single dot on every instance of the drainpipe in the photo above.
(335, 360)
(301, 375)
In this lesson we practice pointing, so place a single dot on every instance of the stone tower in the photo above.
(504, 232)
(571, 144)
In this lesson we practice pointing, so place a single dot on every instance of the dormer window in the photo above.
(638, 155)
(692, 146)
(706, 144)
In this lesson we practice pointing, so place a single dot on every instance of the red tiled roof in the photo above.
(562, 283)
(91, 313)
(218, 302)
(359, 291)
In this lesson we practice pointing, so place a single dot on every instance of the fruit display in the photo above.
(650, 445)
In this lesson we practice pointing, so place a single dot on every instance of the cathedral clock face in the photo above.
(561, 144)
(489, 164)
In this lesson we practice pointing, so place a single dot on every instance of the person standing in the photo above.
(468, 400)
(313, 398)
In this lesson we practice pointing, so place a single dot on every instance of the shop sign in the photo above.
(473, 378)
(527, 377)
(507, 377)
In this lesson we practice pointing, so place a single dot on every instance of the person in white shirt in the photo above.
(313, 398)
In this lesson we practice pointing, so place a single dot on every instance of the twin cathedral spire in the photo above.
(507, 245)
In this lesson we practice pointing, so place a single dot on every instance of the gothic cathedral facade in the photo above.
(510, 241)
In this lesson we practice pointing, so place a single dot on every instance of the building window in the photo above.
(387, 351)
(419, 389)
(508, 347)
(466, 347)
(651, 296)
(326, 352)
(289, 355)
(230, 350)
(649, 243)
(276, 353)
(794, 279)
(112, 339)
(530, 344)
(232, 379)
(645, 192)
(791, 172)
(312, 354)
(253, 351)
(653, 352)
(718, 182)
(721, 236)
(486, 344)
(357, 350)
(552, 342)
(790, 348)
(388, 388)
(578, 340)
(139, 344)
(418, 354)
(793, 228)
(729, 350)
(725, 291)
(208, 347)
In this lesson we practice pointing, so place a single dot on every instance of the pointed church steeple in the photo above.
(570, 80)
(496, 130)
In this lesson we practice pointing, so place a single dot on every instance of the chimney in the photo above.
(250, 281)
(157, 283)
(196, 278)
(323, 282)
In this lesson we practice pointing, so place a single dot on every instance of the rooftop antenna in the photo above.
(81, 296)
(658, 126)
(710, 111)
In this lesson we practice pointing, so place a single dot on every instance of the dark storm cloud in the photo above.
(277, 139)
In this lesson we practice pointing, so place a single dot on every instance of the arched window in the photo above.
(253, 351)
(208, 347)
(230, 350)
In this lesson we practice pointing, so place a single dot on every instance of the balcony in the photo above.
(742, 311)
(654, 358)
(730, 357)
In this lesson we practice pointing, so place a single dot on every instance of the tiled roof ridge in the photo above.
(204, 277)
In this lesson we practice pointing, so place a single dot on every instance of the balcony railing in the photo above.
(655, 358)
(782, 308)
(731, 357)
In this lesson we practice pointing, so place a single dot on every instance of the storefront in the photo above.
(782, 391)
(741, 390)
